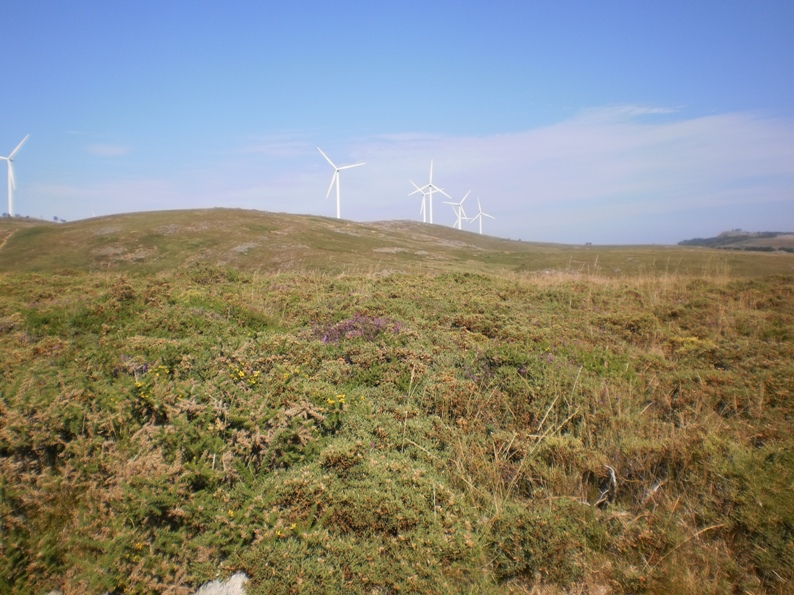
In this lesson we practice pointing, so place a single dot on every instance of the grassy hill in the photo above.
(381, 408)
(253, 241)
(737, 239)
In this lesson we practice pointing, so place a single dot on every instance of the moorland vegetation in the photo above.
(485, 421)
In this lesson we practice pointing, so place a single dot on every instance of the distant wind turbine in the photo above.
(11, 183)
(459, 212)
(481, 214)
(428, 190)
(335, 179)
(423, 209)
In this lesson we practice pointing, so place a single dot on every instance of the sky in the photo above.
(614, 122)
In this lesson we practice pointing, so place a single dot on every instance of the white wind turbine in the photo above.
(335, 179)
(481, 214)
(428, 190)
(11, 183)
(422, 210)
(459, 212)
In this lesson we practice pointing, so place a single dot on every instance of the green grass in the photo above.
(442, 431)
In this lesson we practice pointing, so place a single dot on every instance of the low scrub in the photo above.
(398, 433)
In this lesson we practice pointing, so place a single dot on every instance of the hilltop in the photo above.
(738, 239)
(146, 243)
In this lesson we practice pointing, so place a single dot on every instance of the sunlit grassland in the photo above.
(381, 431)
(251, 241)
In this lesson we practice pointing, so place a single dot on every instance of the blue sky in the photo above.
(609, 122)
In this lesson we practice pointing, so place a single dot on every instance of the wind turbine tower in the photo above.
(481, 214)
(335, 180)
(428, 190)
(11, 183)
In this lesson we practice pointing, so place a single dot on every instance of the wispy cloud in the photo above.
(615, 113)
(107, 150)
(615, 174)
(619, 165)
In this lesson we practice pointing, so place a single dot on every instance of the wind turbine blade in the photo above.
(19, 145)
(11, 181)
(418, 189)
(465, 197)
(333, 179)
(349, 166)
(431, 172)
(441, 190)
(489, 216)
(326, 158)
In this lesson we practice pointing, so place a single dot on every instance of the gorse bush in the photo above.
(399, 433)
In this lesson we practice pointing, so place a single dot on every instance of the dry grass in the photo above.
(564, 430)
(147, 243)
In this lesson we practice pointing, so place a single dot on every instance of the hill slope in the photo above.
(268, 242)
(738, 239)
(340, 407)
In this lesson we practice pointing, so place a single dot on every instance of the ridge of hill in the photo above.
(243, 239)
(247, 240)
(738, 239)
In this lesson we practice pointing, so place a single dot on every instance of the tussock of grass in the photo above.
(380, 433)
